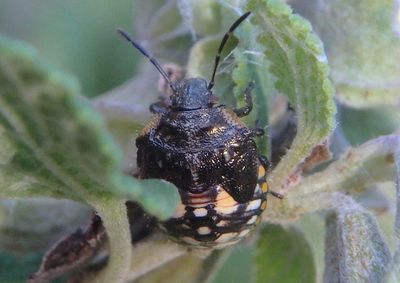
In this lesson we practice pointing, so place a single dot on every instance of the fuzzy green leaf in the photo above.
(57, 144)
(355, 250)
(284, 255)
(362, 46)
(394, 272)
(125, 110)
(300, 66)
(251, 65)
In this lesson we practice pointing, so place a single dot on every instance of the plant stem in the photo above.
(115, 220)
(151, 254)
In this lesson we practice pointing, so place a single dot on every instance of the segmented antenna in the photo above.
(152, 60)
(222, 44)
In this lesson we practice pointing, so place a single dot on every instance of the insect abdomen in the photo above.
(213, 219)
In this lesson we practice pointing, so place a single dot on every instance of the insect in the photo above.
(209, 154)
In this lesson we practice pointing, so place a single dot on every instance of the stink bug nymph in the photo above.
(209, 154)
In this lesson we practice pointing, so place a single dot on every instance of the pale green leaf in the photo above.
(313, 227)
(355, 250)
(362, 46)
(284, 255)
(240, 256)
(59, 144)
(300, 67)
(207, 17)
(213, 264)
(251, 65)
(126, 111)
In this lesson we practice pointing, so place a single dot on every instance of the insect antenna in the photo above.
(222, 44)
(152, 60)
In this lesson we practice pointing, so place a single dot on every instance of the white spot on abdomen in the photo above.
(255, 204)
(252, 220)
(200, 212)
(204, 230)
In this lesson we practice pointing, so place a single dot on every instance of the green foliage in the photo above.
(362, 46)
(354, 244)
(238, 267)
(75, 37)
(56, 145)
(19, 235)
(59, 143)
(283, 255)
(393, 275)
(18, 267)
(355, 171)
(165, 35)
(378, 121)
(355, 231)
(53, 143)
(252, 66)
(300, 66)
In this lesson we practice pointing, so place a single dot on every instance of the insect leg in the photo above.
(264, 162)
(258, 131)
(244, 111)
